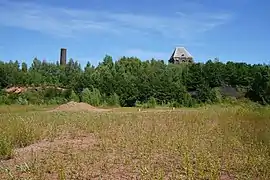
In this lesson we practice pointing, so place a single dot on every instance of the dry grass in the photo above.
(211, 143)
(23, 108)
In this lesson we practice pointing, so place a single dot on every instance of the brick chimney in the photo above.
(63, 56)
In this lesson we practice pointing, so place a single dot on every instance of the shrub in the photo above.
(33, 97)
(215, 95)
(6, 149)
(113, 100)
(152, 102)
(74, 97)
(22, 101)
(187, 101)
(91, 97)
(4, 100)
(85, 95)
(57, 100)
(95, 97)
(175, 104)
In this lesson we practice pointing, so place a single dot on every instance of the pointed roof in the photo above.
(181, 52)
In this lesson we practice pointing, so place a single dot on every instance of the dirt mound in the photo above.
(74, 106)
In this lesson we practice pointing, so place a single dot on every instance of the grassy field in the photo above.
(207, 143)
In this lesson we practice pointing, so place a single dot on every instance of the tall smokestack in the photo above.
(63, 56)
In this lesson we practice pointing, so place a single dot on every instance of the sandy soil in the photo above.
(74, 106)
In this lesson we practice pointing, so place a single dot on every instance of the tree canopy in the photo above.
(130, 81)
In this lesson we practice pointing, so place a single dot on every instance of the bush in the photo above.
(95, 97)
(22, 101)
(187, 101)
(51, 93)
(6, 148)
(152, 102)
(33, 97)
(85, 95)
(230, 100)
(4, 100)
(175, 104)
(215, 95)
(74, 97)
(113, 100)
(57, 100)
(91, 97)
(12, 98)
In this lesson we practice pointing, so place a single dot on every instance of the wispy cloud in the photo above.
(66, 22)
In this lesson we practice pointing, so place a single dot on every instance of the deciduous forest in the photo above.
(132, 82)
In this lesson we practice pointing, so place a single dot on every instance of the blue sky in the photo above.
(232, 30)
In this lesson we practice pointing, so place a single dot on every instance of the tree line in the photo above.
(130, 82)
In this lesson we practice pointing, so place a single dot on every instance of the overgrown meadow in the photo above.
(212, 142)
(191, 121)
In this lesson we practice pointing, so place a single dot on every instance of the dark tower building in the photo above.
(63, 56)
(181, 55)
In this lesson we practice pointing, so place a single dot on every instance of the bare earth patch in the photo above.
(30, 160)
(82, 142)
(74, 106)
